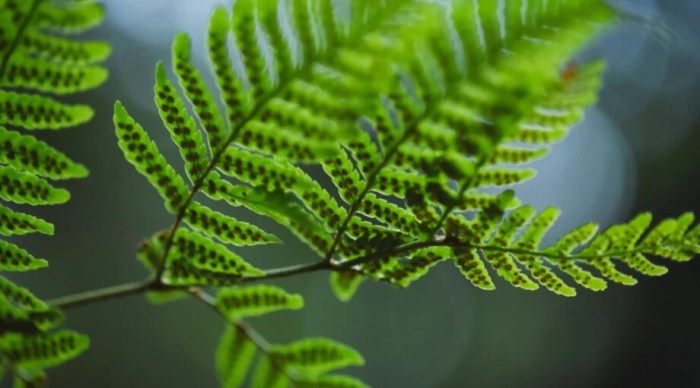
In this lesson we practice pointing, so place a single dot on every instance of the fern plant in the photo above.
(415, 111)
(38, 62)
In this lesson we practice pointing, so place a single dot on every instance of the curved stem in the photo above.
(101, 295)
(135, 288)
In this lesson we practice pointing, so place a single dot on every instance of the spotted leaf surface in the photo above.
(14, 258)
(42, 350)
(242, 302)
(316, 355)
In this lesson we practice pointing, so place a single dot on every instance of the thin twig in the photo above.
(119, 291)
(101, 295)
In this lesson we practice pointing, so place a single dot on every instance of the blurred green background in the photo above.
(637, 150)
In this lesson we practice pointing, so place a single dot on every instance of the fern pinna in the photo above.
(38, 62)
(417, 112)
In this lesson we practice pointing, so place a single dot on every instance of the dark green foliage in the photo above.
(36, 63)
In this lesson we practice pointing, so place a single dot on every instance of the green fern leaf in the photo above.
(571, 253)
(272, 139)
(37, 112)
(473, 268)
(234, 356)
(566, 245)
(194, 260)
(13, 223)
(392, 215)
(225, 228)
(315, 356)
(531, 238)
(259, 171)
(24, 188)
(604, 264)
(181, 126)
(203, 254)
(42, 351)
(26, 153)
(418, 266)
(230, 86)
(247, 35)
(503, 262)
(501, 177)
(44, 77)
(197, 91)
(237, 303)
(142, 152)
(14, 258)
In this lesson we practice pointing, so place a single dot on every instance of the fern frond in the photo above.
(441, 127)
(36, 61)
(412, 109)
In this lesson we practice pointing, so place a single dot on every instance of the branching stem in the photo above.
(136, 288)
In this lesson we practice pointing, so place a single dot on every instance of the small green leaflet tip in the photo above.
(181, 45)
(345, 284)
(161, 76)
